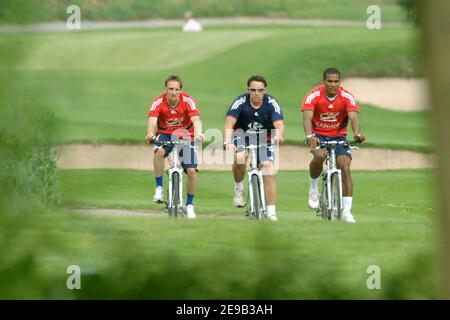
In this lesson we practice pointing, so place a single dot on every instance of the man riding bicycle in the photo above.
(326, 112)
(256, 111)
(174, 115)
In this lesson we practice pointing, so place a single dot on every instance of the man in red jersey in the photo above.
(326, 112)
(174, 115)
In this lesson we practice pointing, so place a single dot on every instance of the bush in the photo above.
(27, 163)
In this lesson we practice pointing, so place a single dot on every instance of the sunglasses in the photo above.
(256, 90)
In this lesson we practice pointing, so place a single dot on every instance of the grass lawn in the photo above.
(99, 84)
(222, 256)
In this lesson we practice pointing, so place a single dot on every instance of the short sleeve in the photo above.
(191, 106)
(350, 102)
(236, 107)
(155, 108)
(276, 112)
(309, 101)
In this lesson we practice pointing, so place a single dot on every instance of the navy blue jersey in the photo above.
(247, 117)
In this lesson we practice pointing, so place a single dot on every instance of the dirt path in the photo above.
(120, 213)
(144, 213)
(60, 26)
(291, 158)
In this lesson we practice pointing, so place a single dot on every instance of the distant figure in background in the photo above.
(190, 24)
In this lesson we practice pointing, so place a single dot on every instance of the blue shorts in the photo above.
(188, 161)
(265, 152)
(340, 150)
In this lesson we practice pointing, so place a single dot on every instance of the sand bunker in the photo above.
(291, 158)
(397, 94)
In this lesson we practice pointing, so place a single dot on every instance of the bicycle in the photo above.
(256, 201)
(330, 198)
(174, 203)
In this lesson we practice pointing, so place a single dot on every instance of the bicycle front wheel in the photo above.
(336, 200)
(256, 211)
(173, 210)
(323, 201)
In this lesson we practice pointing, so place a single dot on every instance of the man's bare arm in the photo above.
(198, 128)
(229, 125)
(354, 121)
(152, 124)
(279, 126)
(307, 122)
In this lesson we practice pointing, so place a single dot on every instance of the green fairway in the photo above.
(223, 256)
(99, 84)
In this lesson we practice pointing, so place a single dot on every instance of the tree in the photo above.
(434, 20)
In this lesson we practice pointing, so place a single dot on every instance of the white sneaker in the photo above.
(158, 197)
(238, 199)
(272, 217)
(313, 200)
(347, 217)
(190, 213)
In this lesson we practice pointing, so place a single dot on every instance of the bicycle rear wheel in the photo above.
(173, 209)
(256, 211)
(336, 205)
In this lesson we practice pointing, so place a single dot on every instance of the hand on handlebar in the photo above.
(150, 138)
(313, 143)
(230, 147)
(359, 137)
(278, 139)
(200, 138)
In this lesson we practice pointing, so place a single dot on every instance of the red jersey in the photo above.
(330, 116)
(177, 118)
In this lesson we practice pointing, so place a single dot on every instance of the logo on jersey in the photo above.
(329, 116)
(174, 122)
(255, 126)
(330, 106)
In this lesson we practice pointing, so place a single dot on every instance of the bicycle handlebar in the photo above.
(175, 142)
(334, 143)
(272, 142)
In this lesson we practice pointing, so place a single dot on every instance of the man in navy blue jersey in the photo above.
(254, 110)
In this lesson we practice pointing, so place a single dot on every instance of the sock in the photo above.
(190, 199)
(159, 181)
(271, 210)
(347, 203)
(239, 186)
(313, 184)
